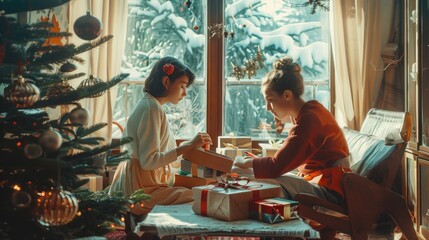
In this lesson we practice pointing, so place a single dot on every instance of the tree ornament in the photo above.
(250, 68)
(79, 115)
(50, 140)
(89, 82)
(259, 58)
(237, 72)
(59, 89)
(87, 27)
(22, 92)
(33, 151)
(21, 199)
(68, 67)
(56, 208)
(196, 27)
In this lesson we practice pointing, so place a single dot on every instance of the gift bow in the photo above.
(275, 144)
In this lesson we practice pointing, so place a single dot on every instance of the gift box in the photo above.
(209, 159)
(230, 204)
(273, 210)
(233, 152)
(94, 184)
(233, 141)
(199, 171)
(190, 182)
(268, 150)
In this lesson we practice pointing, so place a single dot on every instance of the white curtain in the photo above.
(359, 31)
(105, 60)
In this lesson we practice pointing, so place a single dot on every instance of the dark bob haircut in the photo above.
(153, 83)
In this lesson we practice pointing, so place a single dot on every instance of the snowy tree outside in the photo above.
(157, 28)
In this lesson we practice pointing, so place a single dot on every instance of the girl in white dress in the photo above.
(154, 147)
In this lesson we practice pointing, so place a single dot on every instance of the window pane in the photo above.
(159, 28)
(278, 29)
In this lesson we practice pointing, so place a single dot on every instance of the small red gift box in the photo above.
(273, 210)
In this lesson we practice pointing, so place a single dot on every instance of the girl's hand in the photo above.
(200, 140)
(243, 162)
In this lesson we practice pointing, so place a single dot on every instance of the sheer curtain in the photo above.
(105, 60)
(359, 31)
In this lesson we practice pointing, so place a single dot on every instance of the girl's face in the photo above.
(177, 89)
(278, 104)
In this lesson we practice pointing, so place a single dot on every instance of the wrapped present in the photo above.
(269, 149)
(199, 171)
(94, 184)
(235, 142)
(209, 159)
(230, 203)
(190, 182)
(233, 152)
(273, 210)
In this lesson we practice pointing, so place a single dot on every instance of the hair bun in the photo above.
(287, 64)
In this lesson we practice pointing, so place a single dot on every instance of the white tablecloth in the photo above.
(180, 220)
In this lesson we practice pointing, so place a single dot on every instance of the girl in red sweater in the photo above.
(315, 145)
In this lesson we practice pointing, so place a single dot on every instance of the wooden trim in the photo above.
(215, 73)
(420, 163)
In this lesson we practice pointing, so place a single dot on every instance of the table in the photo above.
(181, 220)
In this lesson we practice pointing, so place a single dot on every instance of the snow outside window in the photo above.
(159, 28)
(278, 29)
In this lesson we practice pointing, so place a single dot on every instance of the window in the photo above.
(156, 29)
(274, 27)
(277, 29)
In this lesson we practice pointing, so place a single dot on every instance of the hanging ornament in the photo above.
(68, 67)
(250, 68)
(79, 115)
(33, 151)
(237, 72)
(196, 27)
(21, 199)
(259, 59)
(56, 208)
(87, 27)
(50, 140)
(22, 92)
(91, 81)
(59, 89)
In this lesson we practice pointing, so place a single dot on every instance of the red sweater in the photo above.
(315, 143)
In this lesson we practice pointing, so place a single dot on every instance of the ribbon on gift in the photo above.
(236, 142)
(275, 144)
(225, 186)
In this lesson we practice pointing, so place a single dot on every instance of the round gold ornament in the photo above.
(56, 207)
(32, 151)
(51, 140)
(21, 199)
(87, 27)
(79, 115)
(22, 92)
(89, 82)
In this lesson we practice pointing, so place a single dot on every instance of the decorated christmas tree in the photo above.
(40, 157)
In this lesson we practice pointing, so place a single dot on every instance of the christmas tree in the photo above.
(41, 157)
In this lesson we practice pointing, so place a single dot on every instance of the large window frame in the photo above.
(215, 76)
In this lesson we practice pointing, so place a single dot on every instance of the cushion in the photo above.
(370, 156)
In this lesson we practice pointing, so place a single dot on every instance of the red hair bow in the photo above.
(168, 68)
